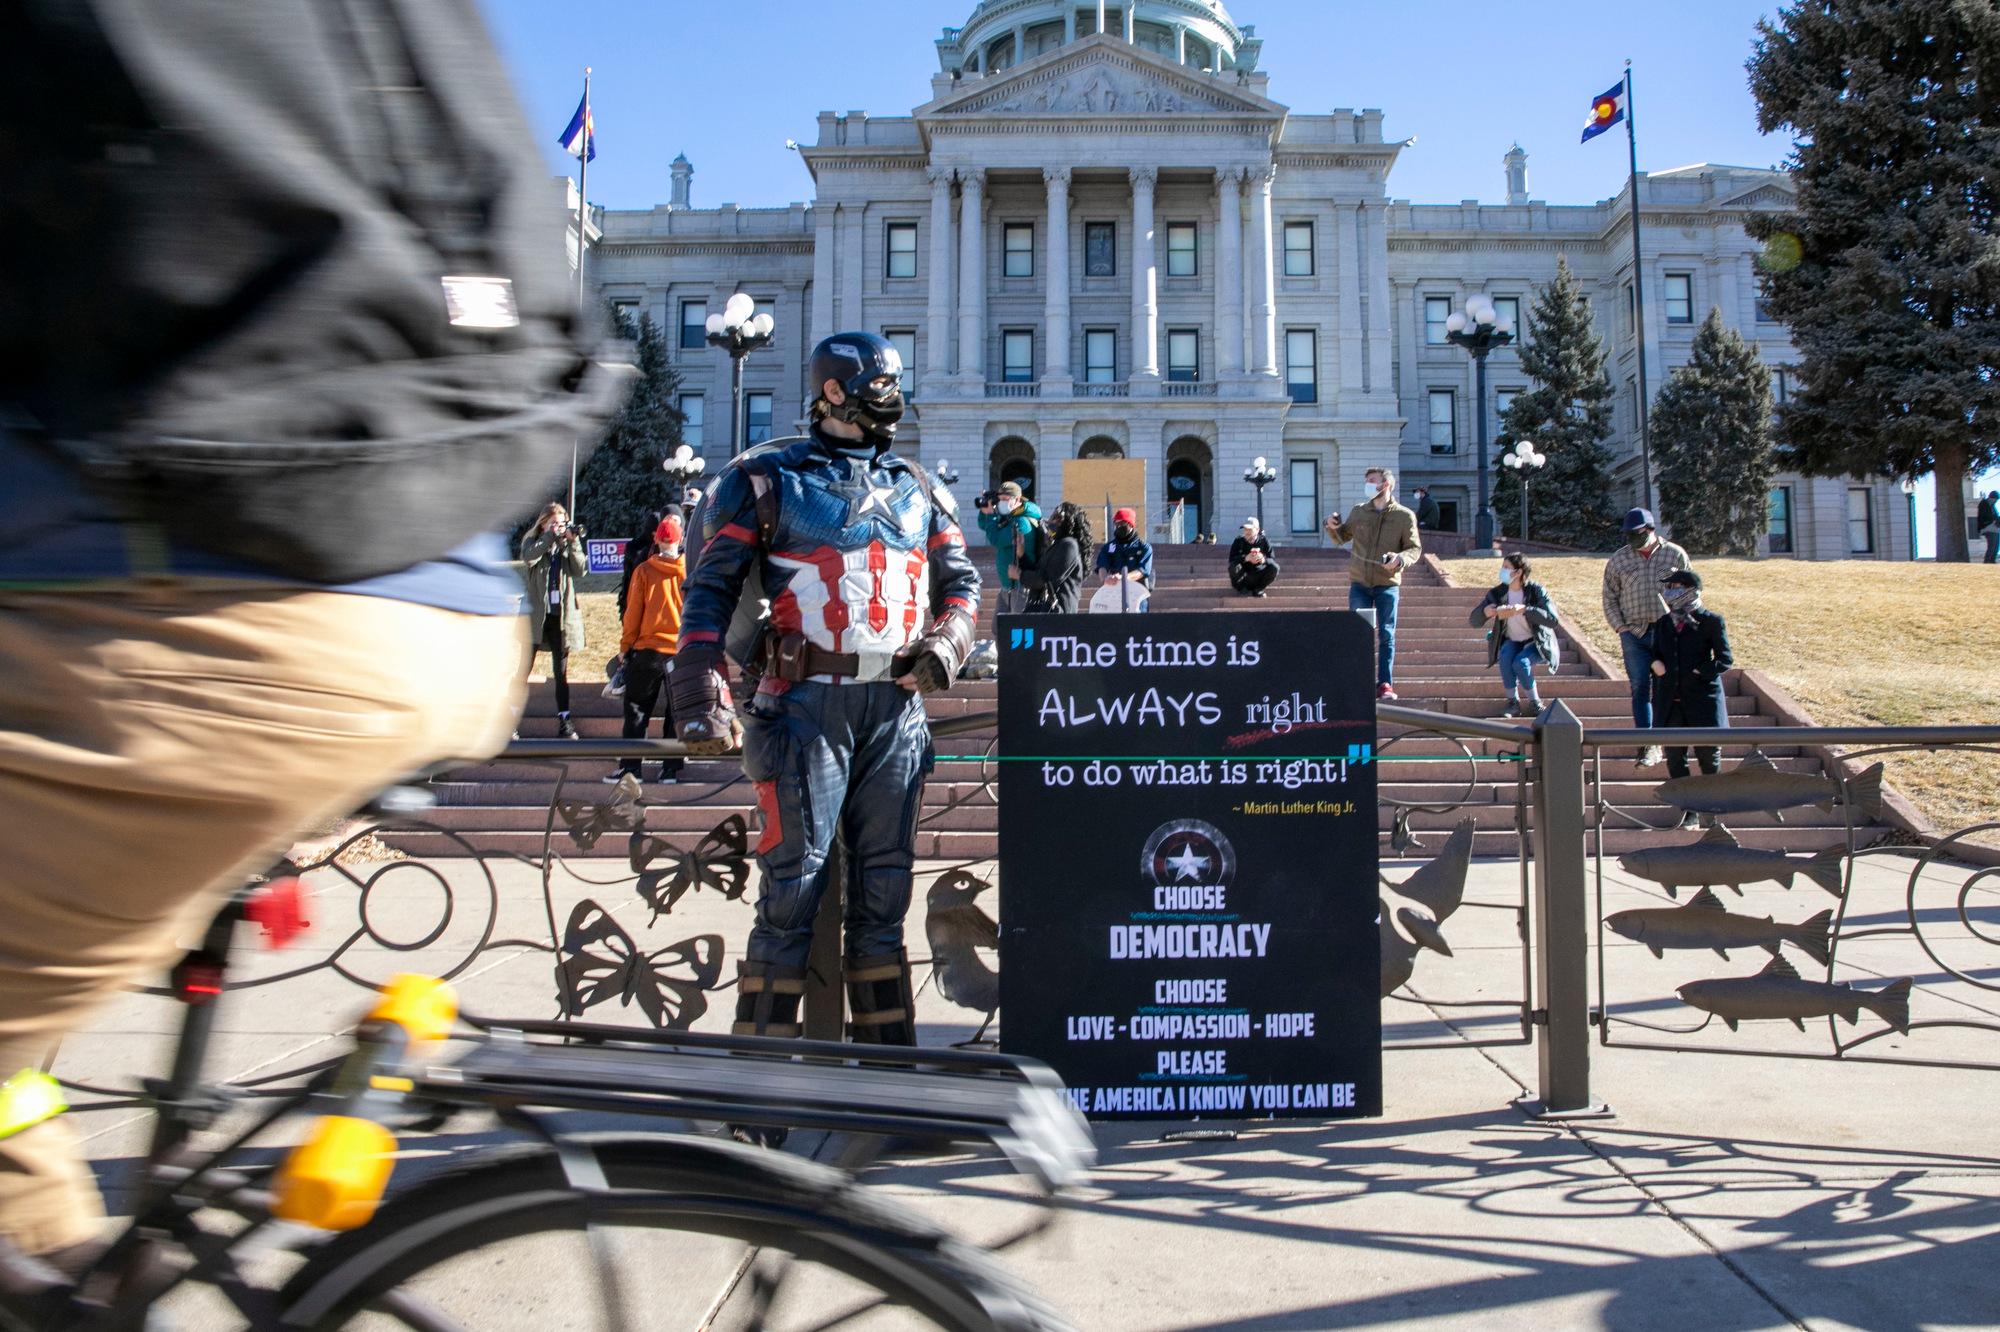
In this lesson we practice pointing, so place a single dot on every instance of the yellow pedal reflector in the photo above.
(334, 1179)
(28, 1098)
(423, 1006)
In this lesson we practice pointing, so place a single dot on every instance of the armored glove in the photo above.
(933, 660)
(703, 711)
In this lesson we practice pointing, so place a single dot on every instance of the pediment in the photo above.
(1098, 77)
(1764, 196)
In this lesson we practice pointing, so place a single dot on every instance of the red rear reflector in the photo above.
(197, 979)
(279, 909)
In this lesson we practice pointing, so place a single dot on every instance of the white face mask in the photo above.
(1005, 506)
(1507, 574)
(1371, 489)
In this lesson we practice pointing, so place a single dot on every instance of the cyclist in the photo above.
(180, 695)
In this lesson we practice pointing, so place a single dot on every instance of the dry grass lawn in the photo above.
(1857, 642)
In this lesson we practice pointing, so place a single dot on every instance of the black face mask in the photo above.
(1123, 531)
(875, 413)
(1637, 540)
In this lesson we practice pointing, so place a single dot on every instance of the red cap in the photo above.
(1125, 516)
(668, 533)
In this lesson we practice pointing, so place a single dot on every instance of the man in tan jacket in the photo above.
(1384, 538)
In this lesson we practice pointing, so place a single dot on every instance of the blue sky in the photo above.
(727, 84)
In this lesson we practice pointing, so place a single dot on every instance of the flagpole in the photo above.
(582, 239)
(1638, 299)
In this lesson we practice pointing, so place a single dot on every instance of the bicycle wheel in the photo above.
(638, 1251)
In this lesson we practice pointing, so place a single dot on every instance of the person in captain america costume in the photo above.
(871, 604)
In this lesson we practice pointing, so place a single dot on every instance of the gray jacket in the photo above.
(537, 554)
(1542, 618)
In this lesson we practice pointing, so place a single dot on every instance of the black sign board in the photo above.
(1188, 861)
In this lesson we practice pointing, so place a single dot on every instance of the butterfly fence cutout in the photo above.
(719, 863)
(600, 961)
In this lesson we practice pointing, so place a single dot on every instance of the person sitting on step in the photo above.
(1251, 568)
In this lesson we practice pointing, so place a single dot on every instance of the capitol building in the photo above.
(1104, 234)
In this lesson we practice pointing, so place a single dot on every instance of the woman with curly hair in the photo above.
(1057, 577)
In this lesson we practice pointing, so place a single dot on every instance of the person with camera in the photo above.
(553, 560)
(1013, 524)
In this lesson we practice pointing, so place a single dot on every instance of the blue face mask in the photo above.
(1681, 600)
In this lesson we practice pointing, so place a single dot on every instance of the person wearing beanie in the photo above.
(1125, 556)
(1251, 568)
(1689, 646)
(1013, 524)
(652, 632)
(1632, 603)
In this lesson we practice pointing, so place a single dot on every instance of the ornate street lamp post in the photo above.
(738, 330)
(1525, 462)
(946, 477)
(1260, 474)
(682, 467)
(1479, 330)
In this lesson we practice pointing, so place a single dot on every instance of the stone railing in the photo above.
(1013, 390)
(1118, 390)
(1189, 388)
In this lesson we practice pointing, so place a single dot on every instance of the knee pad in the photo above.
(881, 1001)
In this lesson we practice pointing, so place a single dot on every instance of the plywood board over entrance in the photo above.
(1103, 484)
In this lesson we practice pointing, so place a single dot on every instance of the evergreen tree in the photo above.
(1887, 270)
(1711, 432)
(1568, 415)
(623, 480)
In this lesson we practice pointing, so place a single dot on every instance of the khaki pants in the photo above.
(161, 742)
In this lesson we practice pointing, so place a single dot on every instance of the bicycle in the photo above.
(377, 1258)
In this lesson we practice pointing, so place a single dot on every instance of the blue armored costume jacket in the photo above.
(857, 552)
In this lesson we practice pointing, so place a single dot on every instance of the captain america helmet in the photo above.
(869, 371)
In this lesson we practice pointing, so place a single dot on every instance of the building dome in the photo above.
(1002, 33)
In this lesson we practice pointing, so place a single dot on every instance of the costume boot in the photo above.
(767, 1004)
(881, 1002)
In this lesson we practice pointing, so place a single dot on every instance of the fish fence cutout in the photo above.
(1756, 786)
(1706, 923)
(1779, 992)
(1719, 860)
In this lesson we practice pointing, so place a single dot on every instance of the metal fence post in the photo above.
(1562, 924)
(826, 994)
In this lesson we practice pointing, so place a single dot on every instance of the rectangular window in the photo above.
(1180, 249)
(1631, 309)
(1507, 315)
(1444, 421)
(1503, 402)
(1680, 298)
(1860, 521)
(1305, 494)
(1778, 519)
(1764, 315)
(756, 418)
(1447, 515)
(1437, 309)
(1017, 355)
(1183, 355)
(1100, 249)
(901, 261)
(1302, 364)
(694, 415)
(1298, 249)
(694, 324)
(1018, 245)
(1100, 356)
(625, 315)
(1781, 385)
(904, 340)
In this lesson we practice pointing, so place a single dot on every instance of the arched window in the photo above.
(1013, 459)
(1101, 446)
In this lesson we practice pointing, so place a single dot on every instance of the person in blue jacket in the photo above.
(1126, 555)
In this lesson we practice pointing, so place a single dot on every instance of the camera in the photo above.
(986, 499)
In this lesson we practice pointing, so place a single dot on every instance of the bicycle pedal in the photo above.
(757, 1135)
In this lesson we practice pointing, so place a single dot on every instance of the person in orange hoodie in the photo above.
(652, 631)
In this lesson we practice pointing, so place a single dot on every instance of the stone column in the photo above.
(1145, 278)
(1376, 328)
(823, 280)
(1020, 45)
(1069, 24)
(1229, 272)
(1347, 219)
(1180, 43)
(972, 275)
(937, 355)
(1055, 351)
(1264, 310)
(853, 221)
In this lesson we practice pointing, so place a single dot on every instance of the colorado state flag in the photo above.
(580, 139)
(1606, 110)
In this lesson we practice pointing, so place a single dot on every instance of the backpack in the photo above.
(238, 236)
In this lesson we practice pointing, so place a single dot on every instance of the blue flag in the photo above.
(1606, 110)
(580, 139)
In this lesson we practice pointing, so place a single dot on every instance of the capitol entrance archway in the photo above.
(1013, 459)
(1191, 480)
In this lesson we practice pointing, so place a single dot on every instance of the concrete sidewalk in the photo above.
(1728, 1192)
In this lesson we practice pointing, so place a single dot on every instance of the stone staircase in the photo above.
(1440, 667)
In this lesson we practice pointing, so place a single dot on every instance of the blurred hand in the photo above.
(1659, 668)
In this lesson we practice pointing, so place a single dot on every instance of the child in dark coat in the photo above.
(1690, 649)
